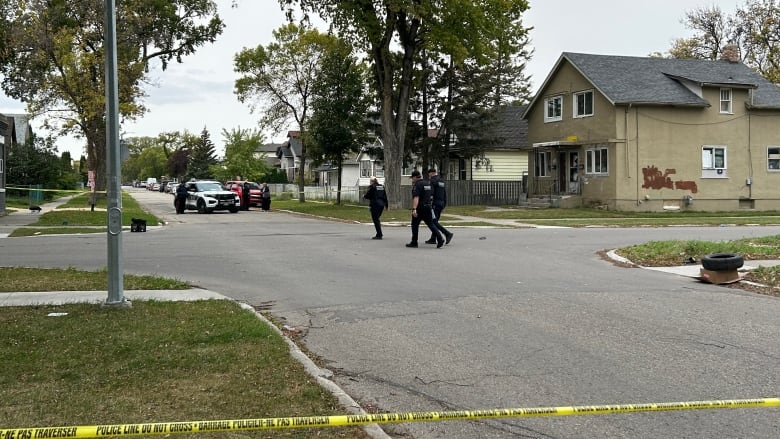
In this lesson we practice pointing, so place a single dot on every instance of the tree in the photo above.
(241, 158)
(340, 105)
(758, 27)
(754, 29)
(178, 163)
(34, 162)
(712, 30)
(151, 162)
(174, 159)
(202, 157)
(278, 79)
(52, 58)
(380, 26)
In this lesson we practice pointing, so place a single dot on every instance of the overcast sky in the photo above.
(199, 92)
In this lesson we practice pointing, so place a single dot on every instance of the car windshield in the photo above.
(254, 185)
(209, 186)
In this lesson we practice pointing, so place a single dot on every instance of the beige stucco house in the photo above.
(652, 134)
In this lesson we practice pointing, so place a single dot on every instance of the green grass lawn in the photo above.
(76, 216)
(152, 362)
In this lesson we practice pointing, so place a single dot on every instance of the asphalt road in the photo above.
(497, 319)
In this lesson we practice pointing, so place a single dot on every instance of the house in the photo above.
(652, 134)
(267, 152)
(356, 171)
(13, 130)
(507, 160)
(289, 156)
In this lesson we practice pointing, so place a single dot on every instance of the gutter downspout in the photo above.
(750, 160)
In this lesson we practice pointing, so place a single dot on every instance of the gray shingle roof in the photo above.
(657, 81)
(512, 128)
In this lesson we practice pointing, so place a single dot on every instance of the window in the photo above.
(773, 158)
(543, 164)
(725, 100)
(583, 104)
(553, 109)
(597, 161)
(713, 157)
(365, 168)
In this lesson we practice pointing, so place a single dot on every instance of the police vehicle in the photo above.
(206, 196)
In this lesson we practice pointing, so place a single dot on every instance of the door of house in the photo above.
(569, 172)
(574, 172)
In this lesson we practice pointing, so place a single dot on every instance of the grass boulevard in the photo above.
(83, 364)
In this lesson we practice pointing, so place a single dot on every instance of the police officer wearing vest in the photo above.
(378, 203)
(422, 210)
(439, 203)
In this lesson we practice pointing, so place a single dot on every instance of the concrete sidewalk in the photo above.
(63, 297)
(24, 217)
(694, 270)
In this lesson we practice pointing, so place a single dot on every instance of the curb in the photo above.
(323, 378)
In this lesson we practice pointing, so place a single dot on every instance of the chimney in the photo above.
(730, 53)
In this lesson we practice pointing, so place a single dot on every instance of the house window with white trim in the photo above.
(714, 161)
(553, 109)
(713, 157)
(543, 164)
(725, 101)
(583, 104)
(597, 161)
(773, 158)
(366, 168)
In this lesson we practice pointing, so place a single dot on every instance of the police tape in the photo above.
(96, 431)
(67, 191)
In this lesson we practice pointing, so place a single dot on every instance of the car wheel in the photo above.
(233, 210)
(722, 261)
(201, 206)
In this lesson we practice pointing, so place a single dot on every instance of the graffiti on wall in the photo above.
(655, 179)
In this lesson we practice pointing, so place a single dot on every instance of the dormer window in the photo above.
(725, 101)
(583, 104)
(553, 109)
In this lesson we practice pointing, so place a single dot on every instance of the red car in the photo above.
(255, 194)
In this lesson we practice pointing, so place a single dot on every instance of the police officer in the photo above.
(378, 202)
(439, 203)
(422, 210)
(181, 197)
(245, 192)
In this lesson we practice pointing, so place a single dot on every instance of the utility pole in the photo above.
(114, 188)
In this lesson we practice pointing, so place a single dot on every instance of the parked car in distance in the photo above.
(255, 193)
(171, 187)
(206, 196)
(151, 183)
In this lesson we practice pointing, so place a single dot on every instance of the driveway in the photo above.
(498, 318)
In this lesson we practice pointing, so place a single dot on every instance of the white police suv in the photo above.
(206, 196)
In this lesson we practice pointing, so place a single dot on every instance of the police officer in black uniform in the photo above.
(422, 210)
(181, 197)
(439, 203)
(245, 193)
(378, 202)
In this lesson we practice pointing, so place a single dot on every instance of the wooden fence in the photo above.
(459, 193)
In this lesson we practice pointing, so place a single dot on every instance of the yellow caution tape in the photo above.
(95, 431)
(70, 191)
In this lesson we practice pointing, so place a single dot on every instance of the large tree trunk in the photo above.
(395, 107)
(96, 151)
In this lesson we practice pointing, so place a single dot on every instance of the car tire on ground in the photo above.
(201, 206)
(722, 261)
(233, 210)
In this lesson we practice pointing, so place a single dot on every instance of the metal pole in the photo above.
(113, 171)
